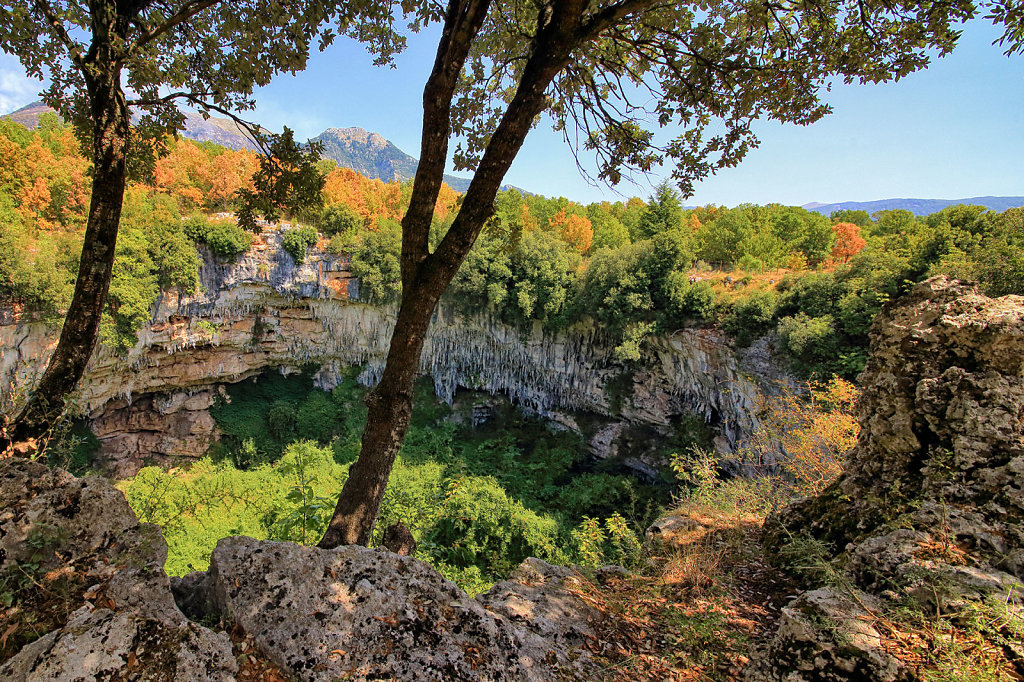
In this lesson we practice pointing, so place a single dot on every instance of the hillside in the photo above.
(361, 150)
(920, 207)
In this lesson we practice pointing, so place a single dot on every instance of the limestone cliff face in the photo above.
(265, 311)
(929, 510)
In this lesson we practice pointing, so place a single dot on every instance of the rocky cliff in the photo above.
(929, 512)
(263, 311)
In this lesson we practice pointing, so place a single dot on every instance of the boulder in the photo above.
(80, 534)
(357, 613)
(827, 636)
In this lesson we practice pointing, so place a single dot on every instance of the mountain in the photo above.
(361, 150)
(222, 131)
(373, 156)
(917, 206)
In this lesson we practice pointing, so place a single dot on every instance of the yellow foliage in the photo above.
(807, 437)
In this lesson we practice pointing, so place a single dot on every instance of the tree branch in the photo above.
(463, 20)
(44, 8)
(185, 13)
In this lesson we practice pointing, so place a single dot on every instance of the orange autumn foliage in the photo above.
(807, 437)
(447, 200)
(230, 172)
(575, 230)
(848, 242)
(370, 198)
(184, 172)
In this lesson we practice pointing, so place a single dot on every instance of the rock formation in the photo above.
(930, 507)
(264, 311)
(348, 613)
(77, 542)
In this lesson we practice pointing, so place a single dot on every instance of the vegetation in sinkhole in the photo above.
(636, 268)
(479, 500)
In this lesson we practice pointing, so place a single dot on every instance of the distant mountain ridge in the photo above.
(919, 207)
(361, 150)
(374, 156)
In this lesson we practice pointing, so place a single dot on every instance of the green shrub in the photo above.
(296, 240)
(751, 317)
(376, 263)
(227, 240)
(340, 219)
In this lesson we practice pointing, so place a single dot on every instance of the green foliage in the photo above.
(477, 500)
(662, 213)
(34, 274)
(296, 240)
(375, 261)
(751, 317)
(288, 180)
(227, 240)
(340, 219)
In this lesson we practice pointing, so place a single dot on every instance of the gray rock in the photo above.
(826, 636)
(127, 620)
(353, 612)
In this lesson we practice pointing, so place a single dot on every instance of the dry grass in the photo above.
(694, 612)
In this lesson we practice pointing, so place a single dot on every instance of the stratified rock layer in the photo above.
(263, 311)
(930, 507)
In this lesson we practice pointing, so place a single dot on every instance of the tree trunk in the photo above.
(29, 429)
(387, 421)
(425, 276)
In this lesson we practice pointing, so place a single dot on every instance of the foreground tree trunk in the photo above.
(425, 275)
(28, 430)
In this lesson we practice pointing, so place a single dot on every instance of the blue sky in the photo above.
(954, 130)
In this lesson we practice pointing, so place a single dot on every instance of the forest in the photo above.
(634, 268)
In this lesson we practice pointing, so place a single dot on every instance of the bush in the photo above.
(227, 240)
(811, 341)
(340, 219)
(376, 263)
(689, 300)
(752, 317)
(197, 228)
(297, 240)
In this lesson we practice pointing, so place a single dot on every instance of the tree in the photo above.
(603, 71)
(848, 242)
(663, 213)
(103, 60)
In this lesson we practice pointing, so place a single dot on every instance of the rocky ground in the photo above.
(908, 567)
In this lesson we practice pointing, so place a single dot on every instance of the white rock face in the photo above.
(264, 311)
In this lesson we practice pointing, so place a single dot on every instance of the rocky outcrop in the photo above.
(930, 508)
(73, 546)
(352, 611)
(264, 311)
(346, 613)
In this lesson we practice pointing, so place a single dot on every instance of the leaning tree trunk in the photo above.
(29, 428)
(387, 421)
(425, 276)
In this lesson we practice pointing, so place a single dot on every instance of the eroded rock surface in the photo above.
(930, 508)
(353, 612)
(77, 542)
